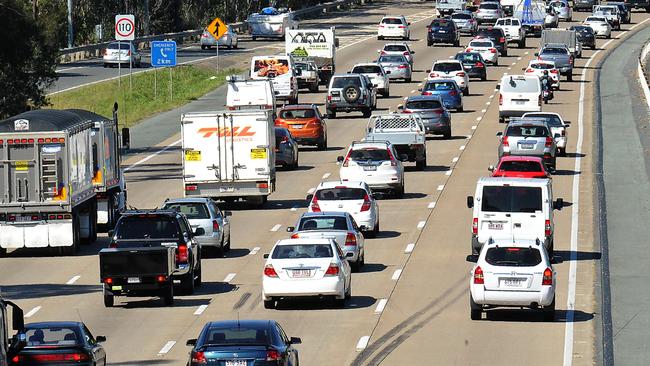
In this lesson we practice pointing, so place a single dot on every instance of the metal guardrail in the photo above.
(94, 50)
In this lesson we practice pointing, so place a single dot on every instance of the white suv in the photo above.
(376, 73)
(355, 198)
(393, 26)
(450, 69)
(519, 94)
(512, 273)
(375, 163)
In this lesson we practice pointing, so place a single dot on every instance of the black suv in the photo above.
(443, 31)
(497, 36)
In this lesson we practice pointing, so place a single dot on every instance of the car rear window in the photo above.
(489, 33)
(447, 66)
(367, 69)
(370, 155)
(240, 335)
(595, 19)
(342, 82)
(323, 223)
(513, 257)
(461, 16)
(121, 46)
(527, 131)
(304, 67)
(511, 199)
(340, 194)
(423, 104)
(491, 6)
(480, 44)
(192, 210)
(52, 336)
(302, 251)
(441, 23)
(395, 48)
(521, 166)
(391, 21)
(554, 51)
(147, 226)
(392, 59)
(551, 119)
(440, 86)
(529, 85)
(542, 66)
(297, 113)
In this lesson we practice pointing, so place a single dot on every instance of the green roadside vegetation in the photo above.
(147, 94)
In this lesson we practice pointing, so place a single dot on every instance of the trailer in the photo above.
(532, 14)
(56, 167)
(318, 45)
(271, 23)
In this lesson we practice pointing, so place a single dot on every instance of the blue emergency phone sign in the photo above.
(163, 53)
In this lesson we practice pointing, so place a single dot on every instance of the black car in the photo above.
(473, 63)
(443, 30)
(585, 36)
(497, 36)
(60, 343)
(286, 149)
(243, 342)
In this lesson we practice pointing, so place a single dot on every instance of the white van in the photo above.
(513, 208)
(280, 70)
(519, 94)
(249, 94)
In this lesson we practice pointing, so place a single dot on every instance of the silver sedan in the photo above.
(229, 40)
(121, 53)
(398, 66)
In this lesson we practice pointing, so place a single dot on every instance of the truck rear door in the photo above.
(511, 211)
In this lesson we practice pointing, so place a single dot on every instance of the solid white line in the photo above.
(73, 280)
(396, 274)
(167, 347)
(491, 96)
(432, 205)
(380, 306)
(70, 68)
(32, 312)
(145, 159)
(363, 343)
(254, 251)
(441, 187)
(448, 172)
(200, 309)
(229, 277)
(276, 227)
(462, 147)
(409, 248)
(455, 159)
(421, 225)
(326, 175)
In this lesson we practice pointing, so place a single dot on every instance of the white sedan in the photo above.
(512, 273)
(486, 48)
(306, 268)
(537, 68)
(600, 25)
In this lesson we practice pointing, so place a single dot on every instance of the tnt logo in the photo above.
(207, 132)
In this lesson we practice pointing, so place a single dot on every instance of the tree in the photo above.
(28, 59)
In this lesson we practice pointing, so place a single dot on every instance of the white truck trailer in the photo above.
(318, 45)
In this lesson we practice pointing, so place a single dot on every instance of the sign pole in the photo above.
(171, 85)
(130, 68)
(119, 65)
(217, 55)
(155, 83)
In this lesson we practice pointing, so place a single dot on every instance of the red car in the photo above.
(520, 167)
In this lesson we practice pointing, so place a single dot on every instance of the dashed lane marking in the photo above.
(276, 227)
(363, 343)
(431, 205)
(254, 251)
(32, 312)
(473, 127)
(230, 277)
(396, 274)
(421, 225)
(448, 172)
(441, 187)
(409, 248)
(200, 310)
(326, 175)
(454, 159)
(462, 147)
(380, 306)
(73, 280)
(167, 347)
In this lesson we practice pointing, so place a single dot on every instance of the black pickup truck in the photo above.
(148, 253)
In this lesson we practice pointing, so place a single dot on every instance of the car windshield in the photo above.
(527, 131)
(304, 67)
(391, 21)
(447, 66)
(440, 86)
(511, 199)
(395, 48)
(392, 59)
(121, 46)
(240, 335)
(191, 210)
(490, 6)
(146, 226)
(423, 104)
(323, 223)
(513, 257)
(297, 113)
(461, 16)
(554, 51)
(520, 85)
(341, 194)
(480, 44)
(370, 155)
(551, 119)
(542, 66)
(521, 166)
(367, 69)
(52, 336)
(341, 82)
(302, 251)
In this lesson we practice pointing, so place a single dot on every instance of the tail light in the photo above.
(478, 276)
(366, 204)
(105, 51)
(198, 358)
(112, 244)
(347, 159)
(191, 187)
(401, 27)
(460, 74)
(383, 52)
(475, 226)
(128, 53)
(381, 26)
(161, 278)
(407, 111)
(500, 99)
(269, 271)
(468, 49)
(553, 71)
(549, 141)
(547, 227)
(504, 141)
(108, 280)
(55, 357)
(539, 58)
(493, 50)
(433, 74)
(284, 139)
(479, 64)
(332, 270)
(427, 93)
(564, 132)
(329, 98)
(529, 70)
(215, 225)
(393, 162)
(273, 355)
(314, 205)
(204, 35)
(547, 280)
(182, 254)
(402, 66)
(453, 93)
(295, 236)
(571, 60)
(502, 39)
(350, 240)
(405, 53)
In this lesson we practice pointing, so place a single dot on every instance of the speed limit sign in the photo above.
(125, 27)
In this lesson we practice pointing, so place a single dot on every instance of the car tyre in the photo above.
(379, 38)
(466, 91)
(199, 277)
(407, 80)
(354, 266)
(109, 299)
(367, 112)
(269, 304)
(203, 47)
(562, 151)
(227, 246)
(386, 93)
(400, 192)
(322, 144)
(475, 310)
(187, 283)
(168, 296)
(421, 164)
(457, 43)
(569, 76)
(484, 77)
(447, 134)
(429, 43)
(549, 311)
(460, 109)
(331, 114)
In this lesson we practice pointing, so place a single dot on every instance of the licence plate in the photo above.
(441, 31)
(527, 146)
(133, 280)
(237, 363)
(297, 127)
(495, 226)
(520, 102)
(335, 99)
(513, 282)
(299, 273)
(369, 168)
(23, 218)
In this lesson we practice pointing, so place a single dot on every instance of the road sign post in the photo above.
(163, 54)
(217, 28)
(124, 31)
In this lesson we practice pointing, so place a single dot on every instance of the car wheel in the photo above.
(109, 299)
(457, 43)
(227, 246)
(168, 296)
(254, 38)
(421, 164)
(354, 266)
(562, 151)
(466, 91)
(367, 112)
(545, 101)
(105, 65)
(331, 114)
(322, 144)
(203, 47)
(407, 80)
(236, 45)
(549, 311)
(400, 192)
(460, 109)
(475, 310)
(386, 93)
(502, 119)
(447, 134)
(429, 43)
(505, 53)
(484, 77)
(199, 278)
(379, 38)
(187, 283)
(269, 304)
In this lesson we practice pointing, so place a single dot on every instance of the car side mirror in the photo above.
(363, 227)
(336, 42)
(473, 258)
(266, 256)
(290, 228)
(412, 52)
(295, 340)
(491, 168)
(191, 342)
(309, 197)
(498, 86)
(523, 69)
(100, 339)
(470, 201)
(419, 89)
(400, 107)
(377, 195)
(499, 134)
(556, 259)
(126, 138)
(388, 72)
(199, 231)
(559, 203)
(378, 51)
(409, 23)
(349, 255)
(427, 71)
(339, 159)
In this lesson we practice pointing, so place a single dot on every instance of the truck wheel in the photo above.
(407, 80)
(421, 164)
(269, 304)
(109, 299)
(168, 294)
(313, 87)
(367, 112)
(386, 93)
(187, 283)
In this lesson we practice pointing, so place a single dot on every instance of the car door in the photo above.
(215, 214)
(290, 355)
(98, 352)
(346, 270)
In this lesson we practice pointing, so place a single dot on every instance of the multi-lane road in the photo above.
(410, 302)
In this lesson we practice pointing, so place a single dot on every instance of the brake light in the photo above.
(500, 99)
(56, 357)
(269, 271)
(182, 254)
(539, 58)
(453, 93)
(502, 39)
(295, 236)
(493, 50)
(571, 60)
(198, 358)
(478, 276)
(553, 71)
(314, 205)
(427, 93)
(547, 280)
(273, 355)
(105, 51)
(468, 49)
(383, 52)
(350, 240)
(401, 27)
(347, 158)
(549, 141)
(128, 53)
(405, 53)
(460, 74)
(433, 74)
(329, 98)
(191, 187)
(332, 270)
(564, 132)
(529, 70)
(161, 278)
(479, 64)
(215, 225)
(407, 111)
(547, 227)
(108, 280)
(402, 66)
(505, 141)
(393, 162)
(475, 226)
(366, 203)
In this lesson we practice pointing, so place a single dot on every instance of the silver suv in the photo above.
(351, 92)
(528, 137)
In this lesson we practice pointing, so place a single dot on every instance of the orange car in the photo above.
(305, 123)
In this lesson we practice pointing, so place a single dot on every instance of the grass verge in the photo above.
(147, 94)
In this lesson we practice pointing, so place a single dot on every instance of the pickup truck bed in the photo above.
(405, 132)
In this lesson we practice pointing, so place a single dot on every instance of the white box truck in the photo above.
(318, 45)
(229, 155)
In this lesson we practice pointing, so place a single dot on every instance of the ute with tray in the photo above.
(406, 132)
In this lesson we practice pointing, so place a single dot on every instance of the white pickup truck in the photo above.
(513, 30)
(405, 132)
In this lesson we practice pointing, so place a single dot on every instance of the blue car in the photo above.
(448, 90)
(243, 342)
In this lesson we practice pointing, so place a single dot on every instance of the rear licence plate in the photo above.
(297, 127)
(369, 168)
(299, 273)
(237, 363)
(520, 102)
(513, 282)
(495, 226)
(23, 218)
(527, 146)
(133, 280)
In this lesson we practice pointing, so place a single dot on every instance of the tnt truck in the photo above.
(10, 347)
(59, 177)
(318, 45)
(229, 155)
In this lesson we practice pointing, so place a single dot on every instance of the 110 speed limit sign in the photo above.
(125, 27)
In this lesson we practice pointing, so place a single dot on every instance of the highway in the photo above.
(408, 306)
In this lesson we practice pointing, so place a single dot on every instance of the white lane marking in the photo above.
(514, 63)
(412, 91)
(167, 347)
(363, 343)
(73, 280)
(32, 312)
(431, 205)
(448, 172)
(483, 110)
(200, 309)
(479, 118)
(491, 96)
(229, 277)
(70, 68)
(462, 147)
(450, 57)
(396, 274)
(294, 208)
(147, 158)
(441, 187)
(473, 127)
(421, 225)
(525, 53)
(311, 190)
(455, 159)
(254, 251)
(510, 68)
(420, 84)
(518, 59)
(488, 103)
(496, 90)
(380, 306)
(276, 227)
(409, 248)
(326, 175)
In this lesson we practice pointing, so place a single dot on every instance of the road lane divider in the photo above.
(381, 305)
(73, 280)
(441, 187)
(229, 277)
(200, 310)
(454, 159)
(431, 205)
(147, 158)
(396, 274)
(32, 312)
(409, 248)
(363, 343)
(326, 175)
(276, 227)
(166, 348)
(254, 251)
(421, 225)
(461, 148)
